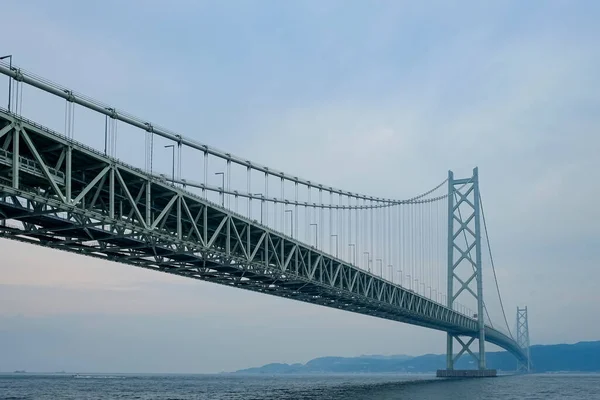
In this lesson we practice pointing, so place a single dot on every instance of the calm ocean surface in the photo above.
(550, 387)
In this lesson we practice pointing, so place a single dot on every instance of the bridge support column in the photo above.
(464, 267)
(523, 339)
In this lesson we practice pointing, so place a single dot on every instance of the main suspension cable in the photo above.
(487, 238)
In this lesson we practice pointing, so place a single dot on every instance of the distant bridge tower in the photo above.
(523, 339)
(464, 260)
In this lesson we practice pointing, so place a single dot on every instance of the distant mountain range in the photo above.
(579, 357)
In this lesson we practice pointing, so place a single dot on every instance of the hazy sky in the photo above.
(379, 97)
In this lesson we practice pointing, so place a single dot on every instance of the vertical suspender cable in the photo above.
(249, 191)
(228, 182)
(381, 240)
(384, 261)
(266, 203)
(283, 219)
(115, 138)
(357, 232)
(340, 217)
(345, 246)
(308, 220)
(400, 245)
(423, 228)
(105, 134)
(204, 191)
(389, 243)
(437, 249)
(179, 158)
(431, 263)
(370, 248)
(320, 226)
(410, 238)
(422, 243)
(296, 211)
(330, 227)
(413, 246)
(402, 223)
(151, 152)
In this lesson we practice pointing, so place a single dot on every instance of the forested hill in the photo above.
(579, 357)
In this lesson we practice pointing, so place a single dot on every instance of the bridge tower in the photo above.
(523, 339)
(464, 261)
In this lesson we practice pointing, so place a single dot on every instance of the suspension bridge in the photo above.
(420, 260)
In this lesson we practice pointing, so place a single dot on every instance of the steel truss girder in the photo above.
(117, 212)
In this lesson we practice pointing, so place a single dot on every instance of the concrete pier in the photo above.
(466, 373)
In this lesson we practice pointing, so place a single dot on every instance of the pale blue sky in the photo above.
(378, 97)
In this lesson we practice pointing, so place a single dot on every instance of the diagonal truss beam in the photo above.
(132, 202)
(6, 129)
(91, 185)
(42, 164)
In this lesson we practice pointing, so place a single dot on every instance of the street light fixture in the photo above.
(222, 187)
(172, 146)
(316, 235)
(291, 222)
(354, 253)
(368, 260)
(380, 267)
(336, 245)
(401, 277)
(262, 199)
(9, 78)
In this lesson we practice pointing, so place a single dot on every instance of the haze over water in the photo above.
(257, 387)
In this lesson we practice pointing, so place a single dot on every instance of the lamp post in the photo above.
(336, 245)
(316, 235)
(172, 146)
(262, 199)
(401, 277)
(222, 187)
(9, 78)
(368, 260)
(354, 253)
(291, 222)
(380, 267)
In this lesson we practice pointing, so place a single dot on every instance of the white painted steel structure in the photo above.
(58, 193)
